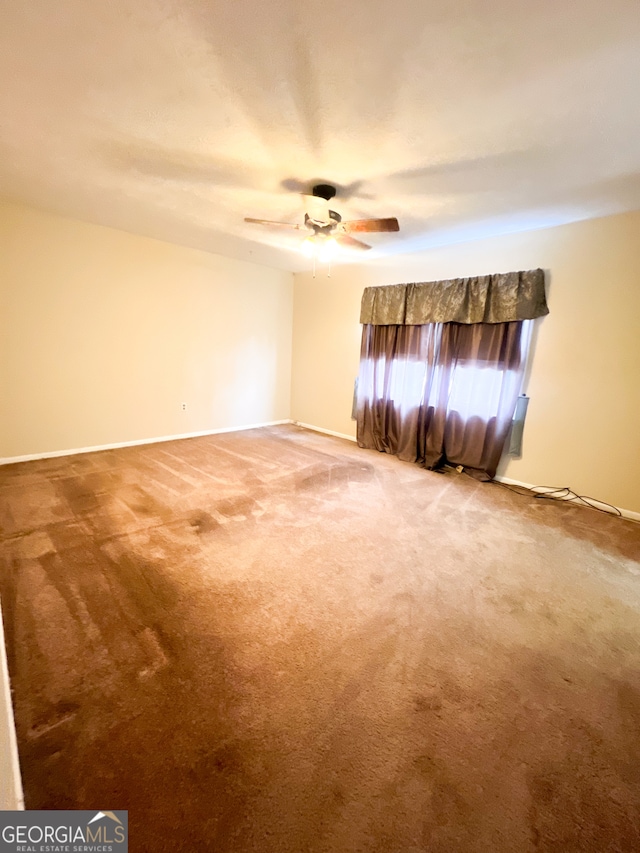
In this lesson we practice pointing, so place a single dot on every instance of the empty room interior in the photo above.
(320, 423)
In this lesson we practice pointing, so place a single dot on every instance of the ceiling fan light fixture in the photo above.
(308, 246)
(321, 247)
(326, 248)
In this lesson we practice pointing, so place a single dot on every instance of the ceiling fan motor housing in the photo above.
(325, 191)
(320, 227)
(318, 217)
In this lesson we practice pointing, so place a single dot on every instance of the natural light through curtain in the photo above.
(441, 392)
(478, 388)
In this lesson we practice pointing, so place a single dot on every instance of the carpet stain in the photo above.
(239, 506)
(427, 703)
(64, 713)
(203, 523)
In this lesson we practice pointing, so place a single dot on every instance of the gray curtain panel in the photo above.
(499, 298)
(440, 392)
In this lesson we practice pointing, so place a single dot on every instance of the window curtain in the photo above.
(445, 392)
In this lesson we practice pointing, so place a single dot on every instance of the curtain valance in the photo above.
(499, 298)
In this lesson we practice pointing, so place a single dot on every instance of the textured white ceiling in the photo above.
(177, 118)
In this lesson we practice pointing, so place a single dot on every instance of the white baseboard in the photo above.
(11, 795)
(625, 513)
(10, 460)
(325, 431)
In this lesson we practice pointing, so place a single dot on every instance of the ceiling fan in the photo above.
(326, 228)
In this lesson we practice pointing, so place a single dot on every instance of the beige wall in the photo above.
(583, 425)
(104, 335)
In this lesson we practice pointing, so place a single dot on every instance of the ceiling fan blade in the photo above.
(363, 226)
(270, 222)
(350, 242)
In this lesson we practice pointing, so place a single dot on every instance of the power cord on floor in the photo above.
(555, 493)
(564, 494)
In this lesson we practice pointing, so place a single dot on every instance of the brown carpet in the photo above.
(275, 641)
